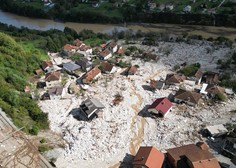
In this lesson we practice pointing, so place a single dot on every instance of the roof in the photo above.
(38, 71)
(202, 145)
(70, 47)
(46, 64)
(105, 53)
(55, 91)
(112, 44)
(149, 156)
(77, 42)
(53, 76)
(156, 84)
(198, 157)
(198, 74)
(189, 96)
(211, 77)
(217, 129)
(89, 76)
(84, 48)
(132, 70)
(120, 51)
(175, 78)
(83, 62)
(103, 45)
(214, 89)
(106, 66)
(71, 66)
(161, 104)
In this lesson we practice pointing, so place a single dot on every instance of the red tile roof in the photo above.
(132, 70)
(148, 156)
(106, 66)
(69, 47)
(174, 78)
(197, 158)
(188, 96)
(112, 44)
(162, 105)
(89, 76)
(103, 45)
(38, 71)
(214, 89)
(84, 48)
(105, 53)
(53, 76)
(46, 64)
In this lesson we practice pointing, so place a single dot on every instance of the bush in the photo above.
(189, 70)
(34, 130)
(221, 97)
(44, 148)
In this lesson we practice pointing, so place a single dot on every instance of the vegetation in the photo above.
(117, 11)
(221, 97)
(190, 70)
(15, 65)
(44, 148)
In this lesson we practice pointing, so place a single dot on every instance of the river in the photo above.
(45, 24)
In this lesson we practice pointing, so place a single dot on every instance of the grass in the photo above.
(30, 46)
(94, 41)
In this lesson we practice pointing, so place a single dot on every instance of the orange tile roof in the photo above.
(46, 64)
(189, 96)
(84, 48)
(70, 47)
(215, 89)
(105, 53)
(53, 76)
(89, 76)
(148, 156)
(175, 78)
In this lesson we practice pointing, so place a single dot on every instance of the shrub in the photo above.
(34, 130)
(220, 96)
(44, 148)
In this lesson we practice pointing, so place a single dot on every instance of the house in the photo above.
(53, 76)
(112, 46)
(47, 66)
(154, 84)
(84, 64)
(191, 156)
(38, 72)
(216, 130)
(229, 147)
(105, 54)
(78, 43)
(197, 76)
(212, 90)
(107, 67)
(71, 67)
(131, 70)
(90, 108)
(69, 49)
(91, 75)
(56, 92)
(174, 79)
(84, 49)
(148, 157)
(188, 97)
(41, 84)
(161, 106)
(211, 77)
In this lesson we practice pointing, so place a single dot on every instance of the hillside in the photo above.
(16, 65)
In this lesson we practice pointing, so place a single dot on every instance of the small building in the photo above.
(154, 84)
(56, 92)
(188, 97)
(148, 157)
(161, 106)
(191, 156)
(71, 67)
(47, 66)
(107, 67)
(78, 43)
(84, 64)
(84, 49)
(216, 130)
(69, 49)
(211, 77)
(212, 90)
(53, 76)
(112, 46)
(174, 79)
(131, 70)
(38, 72)
(91, 75)
(105, 54)
(90, 108)
(196, 76)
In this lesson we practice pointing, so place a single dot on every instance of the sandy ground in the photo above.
(120, 130)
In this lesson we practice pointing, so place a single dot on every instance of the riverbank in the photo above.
(44, 24)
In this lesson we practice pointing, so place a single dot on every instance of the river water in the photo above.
(45, 24)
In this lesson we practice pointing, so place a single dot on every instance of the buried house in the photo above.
(90, 108)
(148, 157)
(188, 97)
(160, 106)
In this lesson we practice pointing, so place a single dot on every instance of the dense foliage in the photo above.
(115, 11)
(15, 66)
